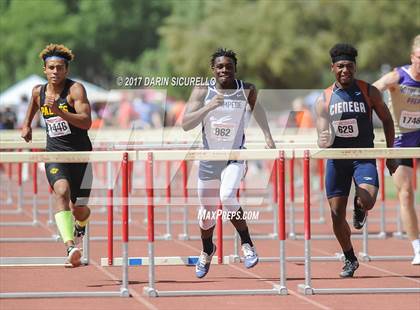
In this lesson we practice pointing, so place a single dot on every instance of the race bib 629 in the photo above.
(346, 128)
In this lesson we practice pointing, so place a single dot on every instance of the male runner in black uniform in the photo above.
(67, 114)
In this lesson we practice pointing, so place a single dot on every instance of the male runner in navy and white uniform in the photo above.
(221, 109)
(403, 84)
(345, 121)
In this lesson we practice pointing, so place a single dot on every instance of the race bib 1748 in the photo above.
(410, 120)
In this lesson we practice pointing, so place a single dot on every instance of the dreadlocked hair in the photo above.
(222, 52)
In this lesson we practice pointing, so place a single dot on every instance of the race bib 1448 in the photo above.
(57, 127)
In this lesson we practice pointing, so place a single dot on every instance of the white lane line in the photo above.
(133, 293)
(290, 291)
(361, 263)
(249, 273)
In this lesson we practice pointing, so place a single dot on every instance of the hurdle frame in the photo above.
(123, 157)
(293, 235)
(307, 288)
(151, 290)
(19, 209)
(364, 254)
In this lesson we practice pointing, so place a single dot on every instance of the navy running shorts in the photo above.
(340, 173)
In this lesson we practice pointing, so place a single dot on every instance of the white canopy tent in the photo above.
(12, 96)
(96, 93)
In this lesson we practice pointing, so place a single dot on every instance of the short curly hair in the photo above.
(341, 50)
(57, 50)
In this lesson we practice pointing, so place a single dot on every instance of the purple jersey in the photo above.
(404, 102)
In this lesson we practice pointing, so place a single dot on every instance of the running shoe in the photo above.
(416, 259)
(349, 268)
(203, 264)
(250, 255)
(73, 256)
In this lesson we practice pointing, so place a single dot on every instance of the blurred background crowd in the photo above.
(282, 47)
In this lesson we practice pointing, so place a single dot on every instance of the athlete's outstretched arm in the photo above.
(260, 115)
(195, 110)
(388, 80)
(322, 124)
(385, 116)
(26, 132)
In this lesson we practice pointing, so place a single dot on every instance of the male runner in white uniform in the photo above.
(221, 109)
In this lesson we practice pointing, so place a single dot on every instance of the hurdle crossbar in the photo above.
(79, 157)
(162, 261)
(280, 289)
(307, 288)
(364, 254)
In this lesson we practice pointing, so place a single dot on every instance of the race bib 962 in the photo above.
(223, 131)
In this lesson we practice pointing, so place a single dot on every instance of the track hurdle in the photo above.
(9, 199)
(78, 157)
(168, 200)
(292, 209)
(307, 288)
(272, 207)
(380, 235)
(292, 229)
(185, 200)
(364, 254)
(110, 218)
(34, 221)
(151, 290)
(184, 169)
(35, 211)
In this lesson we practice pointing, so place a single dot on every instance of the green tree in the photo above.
(280, 44)
(102, 34)
(284, 44)
(24, 34)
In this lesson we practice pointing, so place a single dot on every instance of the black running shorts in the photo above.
(79, 176)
